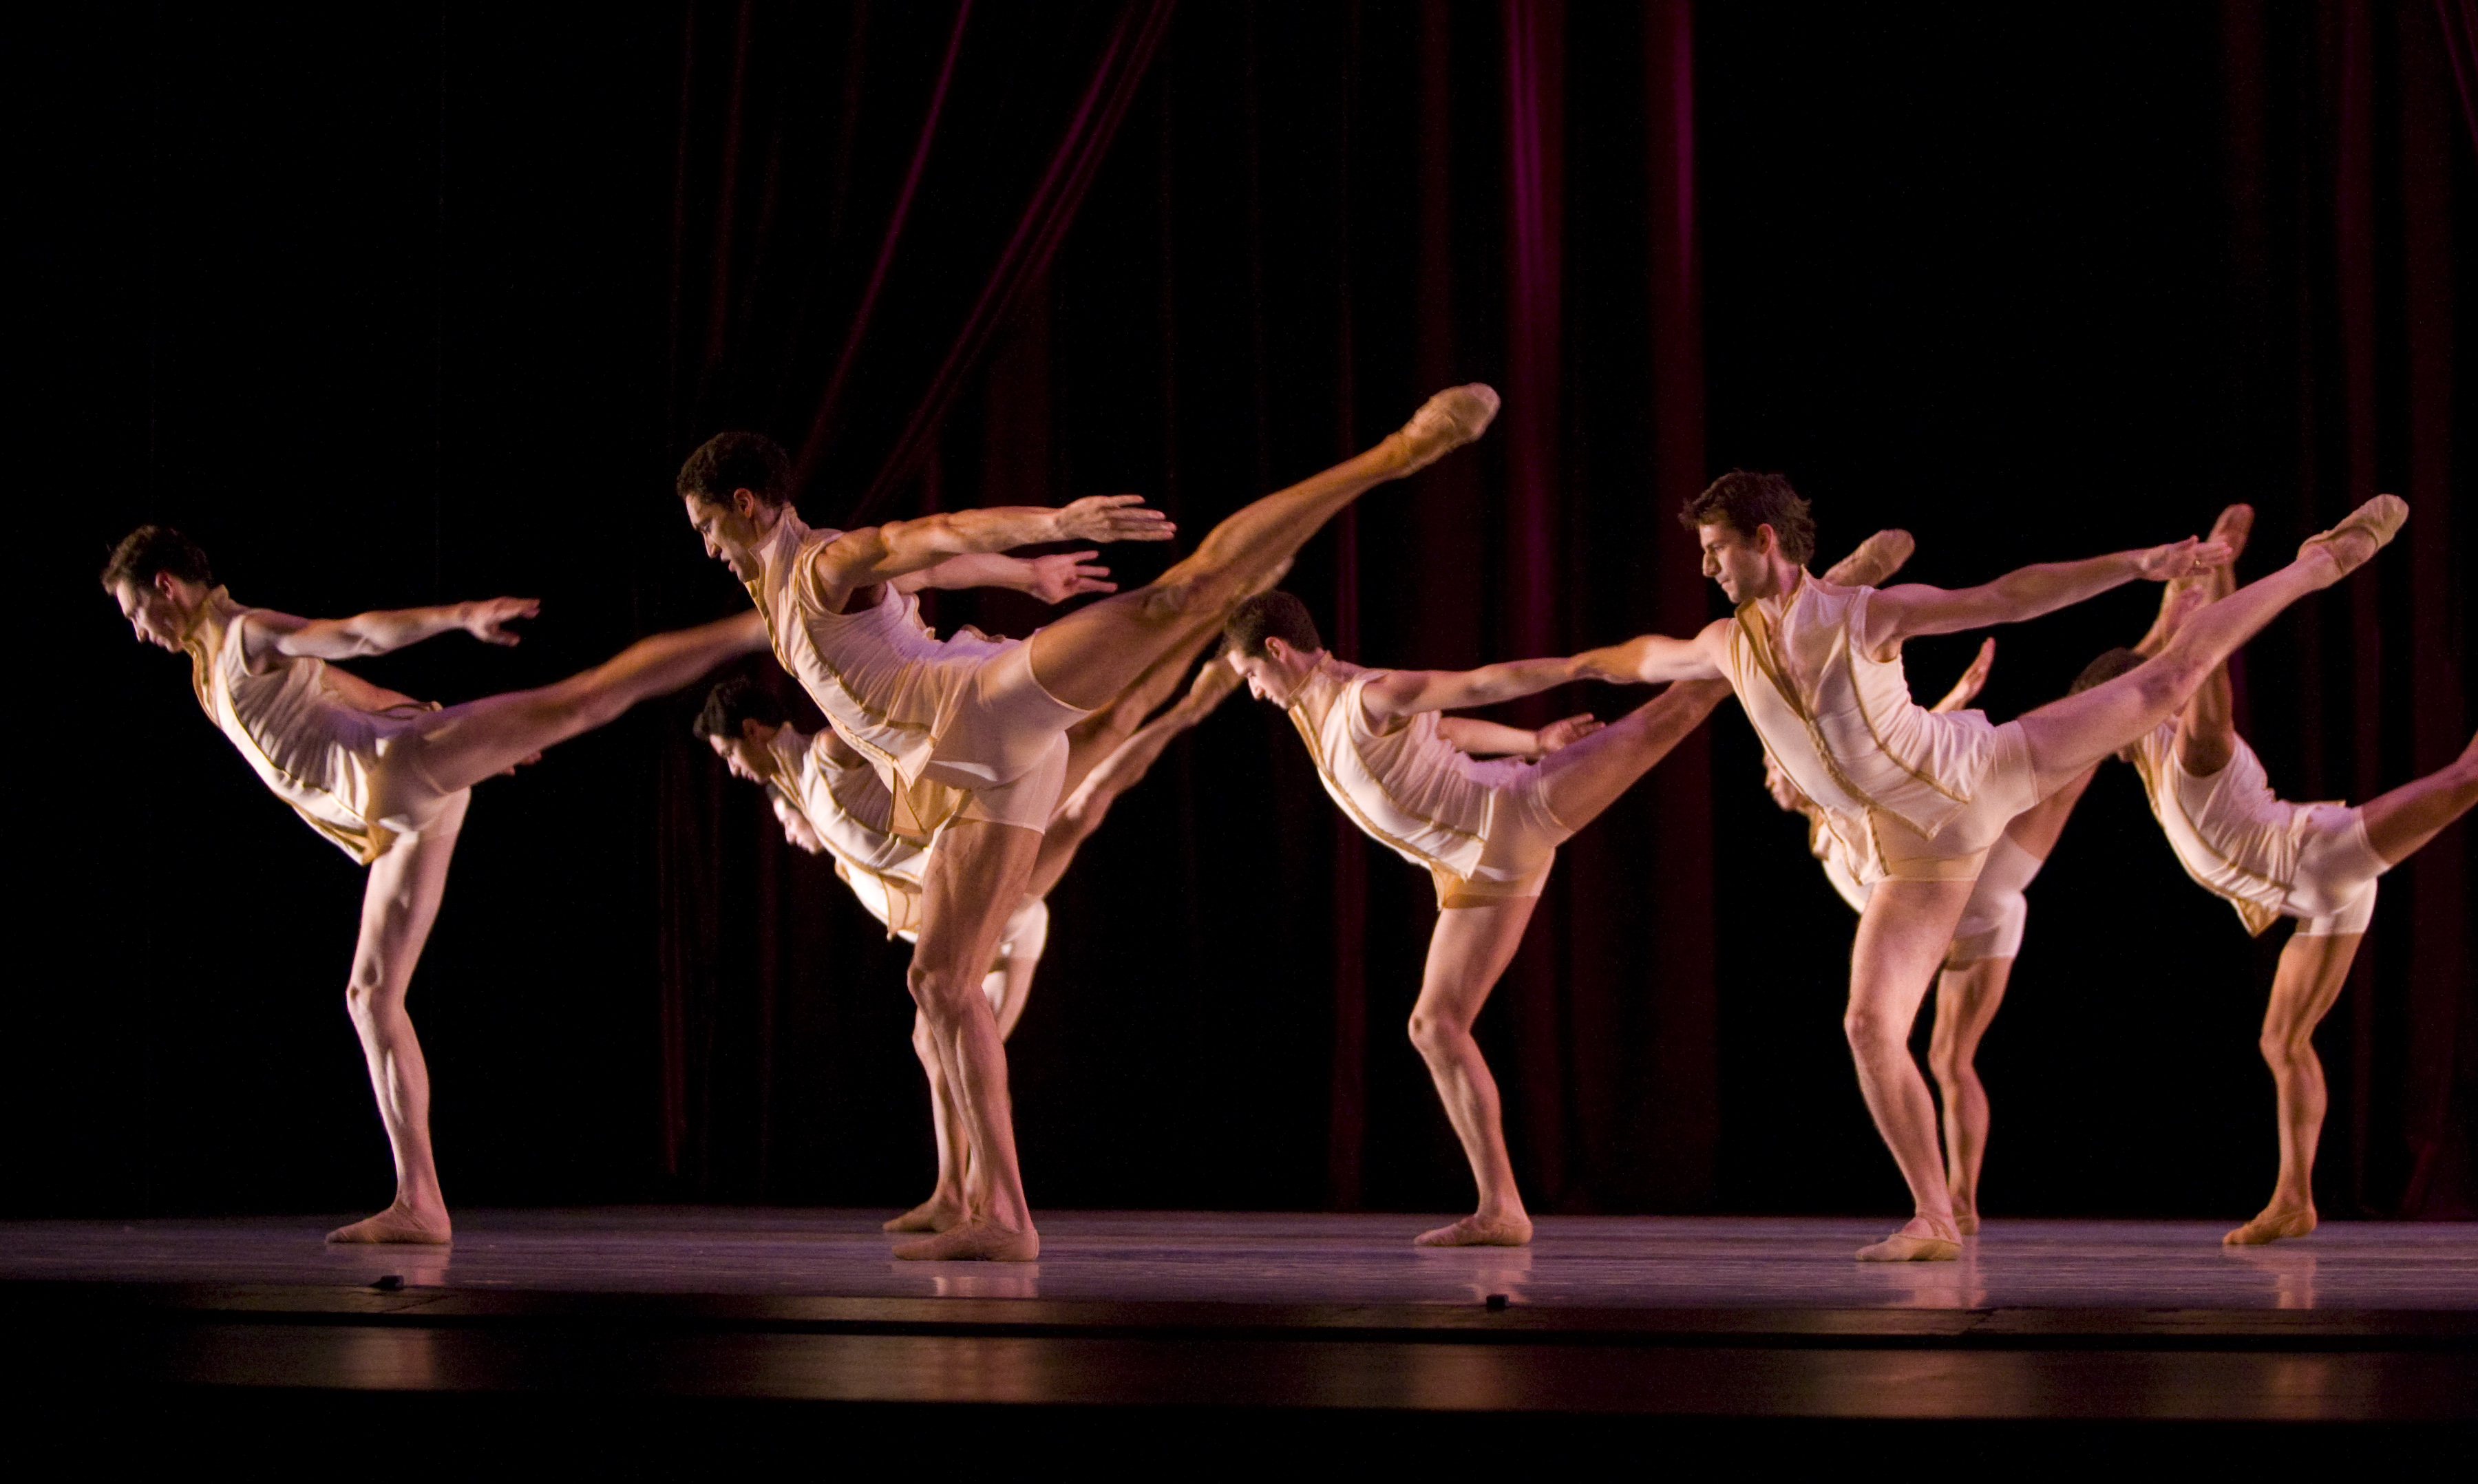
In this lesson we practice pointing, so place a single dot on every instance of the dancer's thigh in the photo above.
(400, 900)
(971, 882)
(1467, 955)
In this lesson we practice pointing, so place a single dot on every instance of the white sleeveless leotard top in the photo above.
(2235, 837)
(847, 804)
(312, 748)
(877, 671)
(1843, 725)
(1407, 788)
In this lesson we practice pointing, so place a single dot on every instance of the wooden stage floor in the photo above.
(1260, 1327)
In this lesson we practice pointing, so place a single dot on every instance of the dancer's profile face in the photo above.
(1272, 676)
(740, 754)
(730, 530)
(1736, 559)
(154, 612)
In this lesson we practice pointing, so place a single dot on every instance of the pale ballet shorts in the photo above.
(404, 798)
(1518, 847)
(1002, 739)
(2333, 895)
(1959, 847)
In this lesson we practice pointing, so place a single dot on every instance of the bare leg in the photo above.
(461, 745)
(1584, 778)
(2400, 822)
(1089, 804)
(1902, 937)
(945, 1207)
(1966, 1001)
(399, 902)
(2069, 735)
(2310, 975)
(1088, 656)
(1467, 953)
(976, 876)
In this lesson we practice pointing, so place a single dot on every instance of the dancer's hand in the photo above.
(1113, 518)
(795, 825)
(2179, 558)
(1565, 732)
(488, 620)
(1055, 579)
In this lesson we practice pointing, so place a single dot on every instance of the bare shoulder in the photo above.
(262, 632)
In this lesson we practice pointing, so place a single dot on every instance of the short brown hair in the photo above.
(1742, 501)
(738, 461)
(2104, 668)
(157, 548)
(734, 702)
(1275, 615)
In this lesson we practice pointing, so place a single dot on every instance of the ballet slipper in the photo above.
(397, 1224)
(936, 1214)
(2369, 528)
(1869, 563)
(1474, 1231)
(1966, 1223)
(1445, 422)
(2275, 1223)
(1938, 1243)
(978, 1240)
(2234, 524)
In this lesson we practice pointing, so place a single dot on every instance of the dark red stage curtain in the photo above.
(1197, 258)
(2349, 185)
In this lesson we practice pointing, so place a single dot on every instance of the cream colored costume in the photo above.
(2268, 858)
(1908, 793)
(1992, 921)
(850, 809)
(1482, 828)
(341, 768)
(957, 727)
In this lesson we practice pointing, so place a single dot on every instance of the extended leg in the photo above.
(2310, 975)
(399, 902)
(2400, 822)
(2068, 736)
(1902, 937)
(1093, 653)
(1467, 953)
(1966, 1001)
(975, 878)
(464, 745)
(1584, 778)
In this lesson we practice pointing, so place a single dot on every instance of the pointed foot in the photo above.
(2353, 542)
(974, 1241)
(1474, 1231)
(1878, 557)
(1445, 422)
(398, 1225)
(2275, 1223)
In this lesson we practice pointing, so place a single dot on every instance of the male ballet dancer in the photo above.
(383, 776)
(1918, 798)
(831, 801)
(1978, 961)
(2269, 858)
(1488, 832)
(971, 732)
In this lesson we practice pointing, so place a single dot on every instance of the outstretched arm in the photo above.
(1403, 692)
(378, 633)
(1052, 579)
(1490, 739)
(1652, 658)
(875, 554)
(1913, 609)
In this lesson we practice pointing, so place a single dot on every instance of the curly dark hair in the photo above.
(157, 548)
(738, 461)
(1275, 615)
(734, 702)
(1743, 501)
